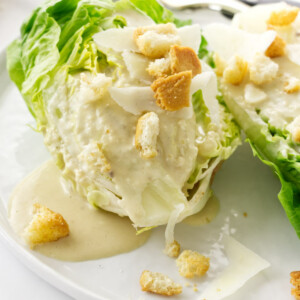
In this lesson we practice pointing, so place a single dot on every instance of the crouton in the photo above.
(184, 59)
(168, 28)
(191, 264)
(160, 67)
(158, 283)
(283, 17)
(147, 130)
(173, 92)
(172, 249)
(291, 85)
(235, 71)
(180, 59)
(220, 64)
(262, 69)
(93, 154)
(45, 226)
(296, 135)
(277, 48)
(155, 41)
(295, 281)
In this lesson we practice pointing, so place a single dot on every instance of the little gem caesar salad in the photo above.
(259, 68)
(139, 109)
(131, 115)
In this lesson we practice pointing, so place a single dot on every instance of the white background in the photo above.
(16, 281)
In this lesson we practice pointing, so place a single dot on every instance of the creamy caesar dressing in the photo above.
(269, 91)
(278, 106)
(94, 233)
(206, 215)
(89, 115)
(91, 118)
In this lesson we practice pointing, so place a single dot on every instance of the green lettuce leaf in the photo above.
(156, 200)
(220, 145)
(200, 109)
(275, 151)
(205, 54)
(158, 13)
(67, 27)
(55, 45)
(289, 194)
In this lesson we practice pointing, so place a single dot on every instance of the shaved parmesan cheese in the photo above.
(135, 18)
(120, 39)
(117, 39)
(226, 41)
(243, 264)
(136, 65)
(190, 36)
(293, 53)
(184, 113)
(254, 95)
(135, 100)
(207, 82)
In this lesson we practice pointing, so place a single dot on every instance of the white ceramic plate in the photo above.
(242, 185)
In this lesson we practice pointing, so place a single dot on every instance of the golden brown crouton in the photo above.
(220, 64)
(277, 48)
(173, 92)
(291, 85)
(45, 226)
(172, 249)
(296, 135)
(168, 28)
(147, 130)
(160, 67)
(283, 17)
(236, 71)
(155, 41)
(191, 264)
(184, 59)
(295, 281)
(158, 283)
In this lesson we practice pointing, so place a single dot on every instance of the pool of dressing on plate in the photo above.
(94, 233)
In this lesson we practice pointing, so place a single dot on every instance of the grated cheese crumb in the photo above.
(262, 69)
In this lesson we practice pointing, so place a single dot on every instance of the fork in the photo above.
(228, 6)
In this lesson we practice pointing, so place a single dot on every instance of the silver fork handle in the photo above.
(232, 6)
